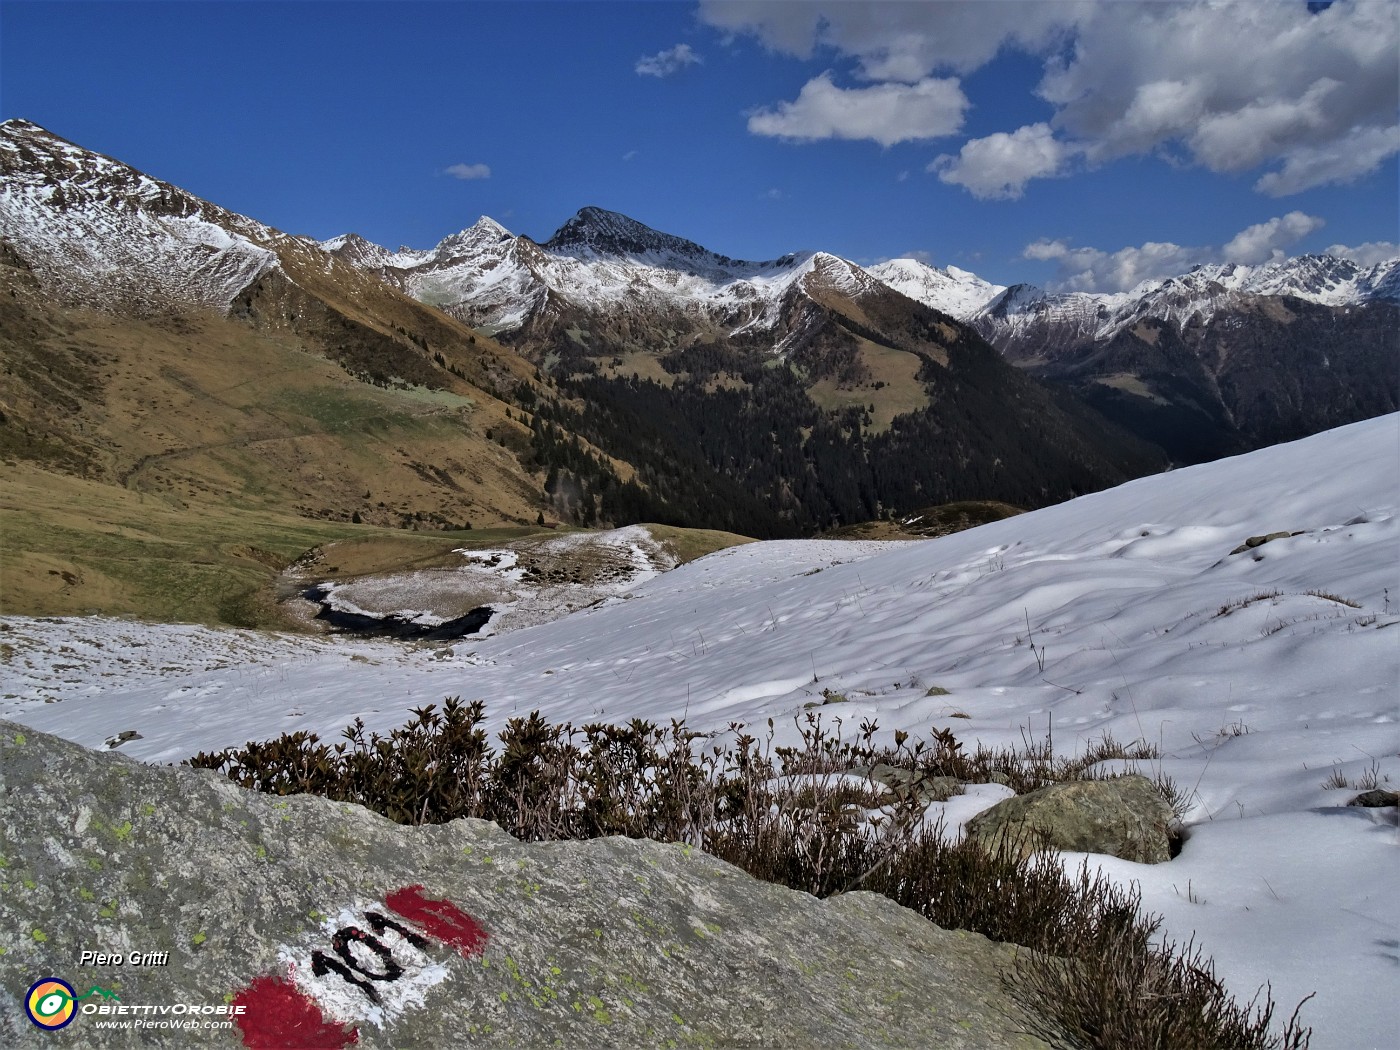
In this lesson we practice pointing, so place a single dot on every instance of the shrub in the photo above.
(792, 815)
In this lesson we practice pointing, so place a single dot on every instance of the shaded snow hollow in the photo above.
(1121, 592)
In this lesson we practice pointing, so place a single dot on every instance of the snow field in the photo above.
(1121, 612)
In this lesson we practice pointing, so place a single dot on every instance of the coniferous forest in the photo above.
(760, 458)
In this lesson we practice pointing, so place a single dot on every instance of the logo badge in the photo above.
(51, 1003)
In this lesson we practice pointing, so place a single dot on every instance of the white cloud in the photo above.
(1095, 270)
(1158, 111)
(1044, 250)
(469, 171)
(895, 41)
(1369, 254)
(1237, 85)
(668, 62)
(1245, 137)
(630, 155)
(883, 113)
(1267, 240)
(1230, 86)
(1354, 156)
(999, 165)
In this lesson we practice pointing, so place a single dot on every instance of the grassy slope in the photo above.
(74, 546)
(168, 467)
(685, 545)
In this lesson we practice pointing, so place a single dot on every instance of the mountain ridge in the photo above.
(1219, 360)
(597, 235)
(160, 344)
(780, 397)
(831, 385)
(1179, 361)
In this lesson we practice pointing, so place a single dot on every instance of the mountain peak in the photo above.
(357, 250)
(486, 224)
(16, 124)
(956, 292)
(485, 231)
(99, 233)
(1013, 300)
(597, 231)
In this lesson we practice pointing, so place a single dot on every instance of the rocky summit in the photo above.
(171, 899)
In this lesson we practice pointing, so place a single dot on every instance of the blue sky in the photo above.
(1071, 144)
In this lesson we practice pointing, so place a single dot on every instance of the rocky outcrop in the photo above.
(1259, 541)
(1376, 798)
(1123, 817)
(324, 923)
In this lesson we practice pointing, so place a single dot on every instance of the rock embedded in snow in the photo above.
(1124, 817)
(325, 916)
(1376, 799)
(1259, 541)
(907, 783)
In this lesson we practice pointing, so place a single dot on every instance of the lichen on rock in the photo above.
(435, 936)
(1123, 817)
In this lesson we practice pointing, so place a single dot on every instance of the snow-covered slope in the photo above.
(950, 290)
(98, 232)
(1261, 676)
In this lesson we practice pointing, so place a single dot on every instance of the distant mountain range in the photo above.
(597, 262)
(164, 343)
(642, 323)
(615, 373)
(1222, 359)
(1009, 316)
(1214, 361)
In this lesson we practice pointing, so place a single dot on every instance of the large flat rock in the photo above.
(455, 935)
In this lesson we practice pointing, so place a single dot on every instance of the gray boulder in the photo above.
(194, 898)
(1123, 817)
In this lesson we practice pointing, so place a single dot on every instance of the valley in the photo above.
(281, 393)
(256, 483)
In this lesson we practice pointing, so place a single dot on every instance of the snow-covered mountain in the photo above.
(597, 262)
(949, 290)
(1023, 314)
(1237, 356)
(98, 233)
(601, 261)
(1220, 359)
(640, 324)
(181, 301)
(606, 298)
(101, 233)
